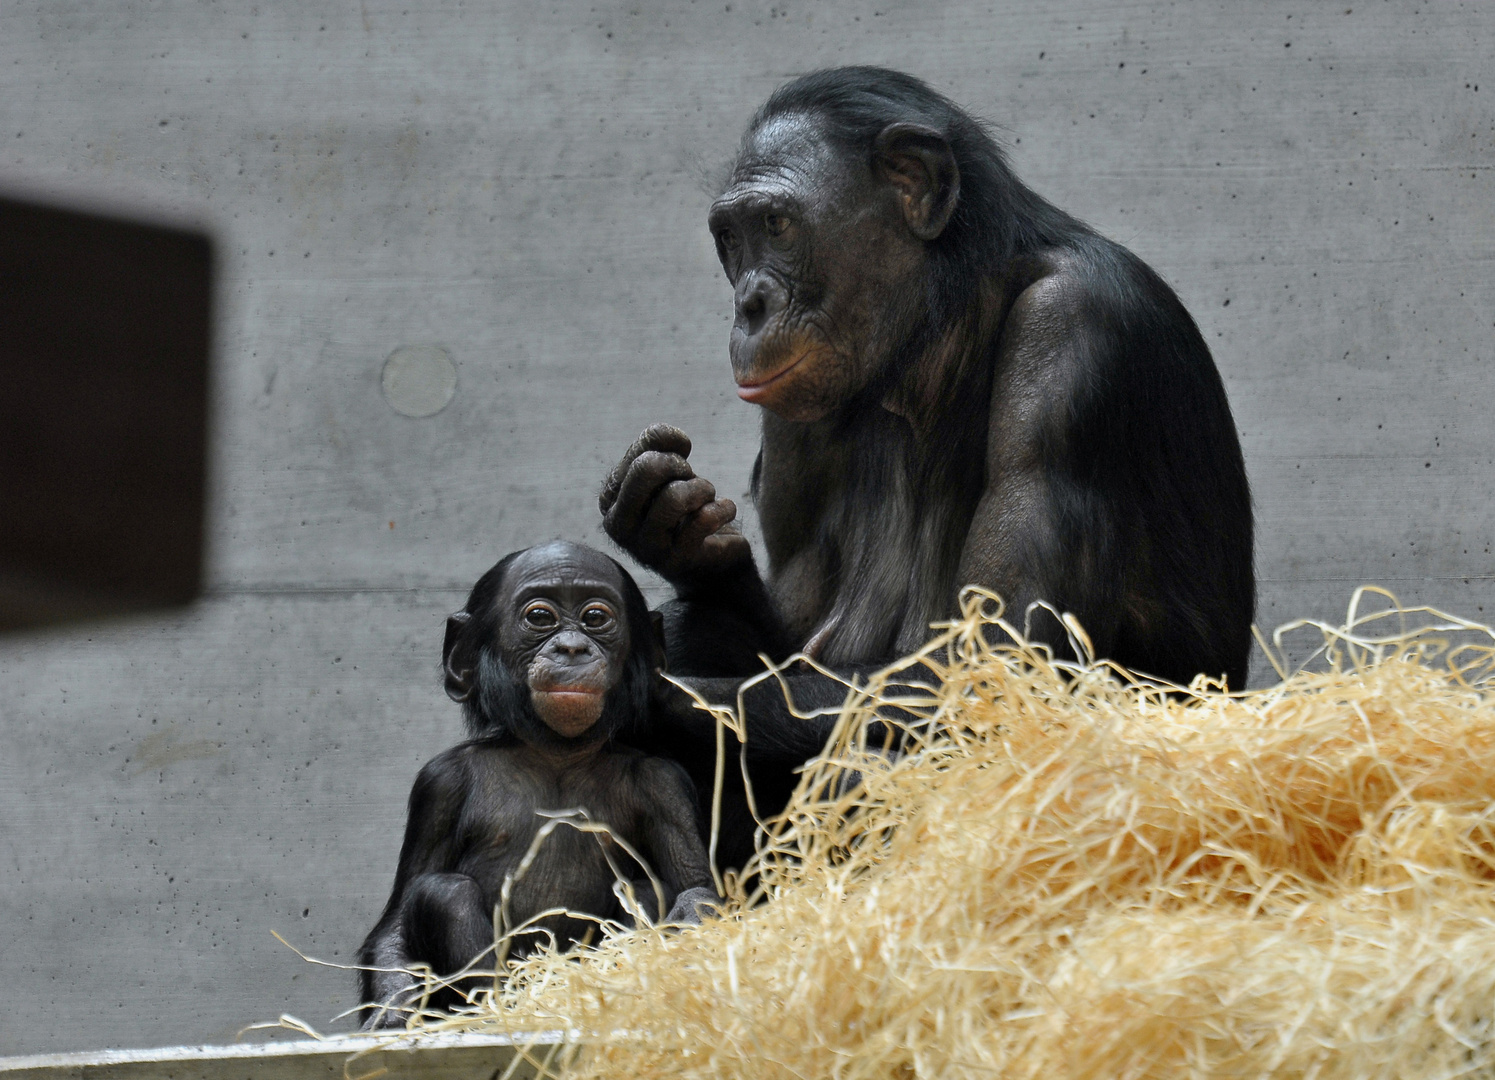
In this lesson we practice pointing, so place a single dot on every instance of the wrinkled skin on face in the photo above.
(561, 624)
(820, 247)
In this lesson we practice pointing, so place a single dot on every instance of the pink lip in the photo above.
(754, 392)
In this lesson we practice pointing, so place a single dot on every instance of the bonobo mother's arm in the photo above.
(1049, 438)
(670, 520)
(775, 735)
(658, 510)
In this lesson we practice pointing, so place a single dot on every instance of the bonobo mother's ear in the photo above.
(457, 658)
(918, 161)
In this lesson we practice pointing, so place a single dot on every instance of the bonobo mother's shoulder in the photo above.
(1096, 303)
(1093, 277)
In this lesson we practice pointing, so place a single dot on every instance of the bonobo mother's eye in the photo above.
(597, 616)
(776, 224)
(728, 240)
(540, 617)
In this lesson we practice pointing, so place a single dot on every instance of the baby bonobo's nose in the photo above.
(572, 645)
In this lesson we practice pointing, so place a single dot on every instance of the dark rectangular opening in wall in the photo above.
(104, 347)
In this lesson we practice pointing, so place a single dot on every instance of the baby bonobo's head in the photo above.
(555, 647)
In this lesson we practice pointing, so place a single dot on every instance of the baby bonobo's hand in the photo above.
(658, 510)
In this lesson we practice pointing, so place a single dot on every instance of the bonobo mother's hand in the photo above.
(658, 510)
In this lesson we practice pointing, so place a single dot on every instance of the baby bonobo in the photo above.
(553, 655)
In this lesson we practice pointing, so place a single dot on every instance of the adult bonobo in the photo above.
(554, 655)
(961, 384)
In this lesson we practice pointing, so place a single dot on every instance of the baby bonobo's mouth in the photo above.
(568, 710)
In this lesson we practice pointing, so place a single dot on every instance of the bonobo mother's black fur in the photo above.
(961, 384)
(554, 655)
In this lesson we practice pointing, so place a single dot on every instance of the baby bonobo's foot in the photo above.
(692, 904)
(386, 1018)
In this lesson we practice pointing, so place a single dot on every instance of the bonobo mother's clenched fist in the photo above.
(658, 510)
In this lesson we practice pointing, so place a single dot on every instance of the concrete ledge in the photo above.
(434, 1057)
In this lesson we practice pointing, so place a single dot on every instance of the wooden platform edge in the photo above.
(340, 1057)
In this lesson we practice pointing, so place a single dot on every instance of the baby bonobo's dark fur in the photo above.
(961, 385)
(554, 655)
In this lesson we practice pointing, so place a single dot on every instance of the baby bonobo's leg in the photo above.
(447, 923)
(442, 922)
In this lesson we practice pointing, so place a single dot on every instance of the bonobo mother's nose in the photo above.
(759, 298)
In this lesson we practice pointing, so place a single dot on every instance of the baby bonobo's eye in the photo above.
(776, 224)
(596, 616)
(540, 617)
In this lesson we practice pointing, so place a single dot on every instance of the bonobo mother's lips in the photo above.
(763, 386)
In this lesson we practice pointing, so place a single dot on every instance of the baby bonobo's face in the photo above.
(562, 628)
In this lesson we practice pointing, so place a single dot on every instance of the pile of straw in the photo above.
(1068, 875)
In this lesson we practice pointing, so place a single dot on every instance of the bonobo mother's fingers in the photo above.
(718, 542)
(657, 509)
(725, 549)
(664, 438)
(647, 474)
(711, 516)
(676, 503)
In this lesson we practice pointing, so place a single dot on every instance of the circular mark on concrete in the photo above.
(419, 380)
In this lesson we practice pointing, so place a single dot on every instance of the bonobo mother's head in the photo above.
(839, 229)
(555, 647)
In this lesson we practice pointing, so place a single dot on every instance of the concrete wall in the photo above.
(526, 186)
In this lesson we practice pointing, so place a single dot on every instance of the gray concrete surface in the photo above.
(525, 187)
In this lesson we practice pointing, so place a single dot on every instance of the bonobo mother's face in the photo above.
(815, 245)
(563, 631)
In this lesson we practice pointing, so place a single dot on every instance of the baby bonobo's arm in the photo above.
(430, 847)
(672, 840)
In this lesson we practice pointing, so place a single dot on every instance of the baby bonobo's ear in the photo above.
(457, 659)
(656, 619)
